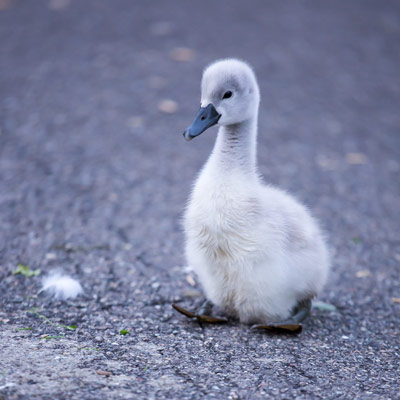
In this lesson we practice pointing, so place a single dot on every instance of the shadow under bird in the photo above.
(257, 251)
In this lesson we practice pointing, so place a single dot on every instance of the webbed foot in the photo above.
(293, 323)
(203, 315)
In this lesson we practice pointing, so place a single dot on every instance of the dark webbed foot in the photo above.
(203, 315)
(293, 323)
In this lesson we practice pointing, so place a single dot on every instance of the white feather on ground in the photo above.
(61, 286)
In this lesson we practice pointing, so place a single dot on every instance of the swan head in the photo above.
(229, 96)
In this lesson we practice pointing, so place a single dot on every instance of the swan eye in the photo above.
(227, 95)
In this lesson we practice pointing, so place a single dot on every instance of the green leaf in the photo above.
(124, 332)
(356, 240)
(23, 329)
(69, 327)
(24, 270)
(35, 312)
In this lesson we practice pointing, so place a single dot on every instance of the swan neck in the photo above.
(236, 145)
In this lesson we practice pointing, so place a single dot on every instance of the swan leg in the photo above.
(204, 314)
(293, 323)
(206, 308)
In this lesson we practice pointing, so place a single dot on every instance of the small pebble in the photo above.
(190, 280)
(363, 273)
(51, 256)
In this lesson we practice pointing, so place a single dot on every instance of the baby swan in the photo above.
(258, 252)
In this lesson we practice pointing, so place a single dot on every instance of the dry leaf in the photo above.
(363, 273)
(182, 54)
(168, 106)
(103, 373)
(396, 299)
(190, 280)
(5, 4)
(356, 158)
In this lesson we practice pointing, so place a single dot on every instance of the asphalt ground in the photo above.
(94, 176)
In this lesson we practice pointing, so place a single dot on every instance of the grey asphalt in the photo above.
(94, 179)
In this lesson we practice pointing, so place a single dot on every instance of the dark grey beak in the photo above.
(206, 117)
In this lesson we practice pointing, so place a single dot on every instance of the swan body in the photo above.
(256, 250)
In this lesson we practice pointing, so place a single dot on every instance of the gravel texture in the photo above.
(94, 175)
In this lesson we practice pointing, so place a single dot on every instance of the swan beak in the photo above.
(206, 117)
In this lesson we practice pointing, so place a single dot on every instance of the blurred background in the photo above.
(95, 96)
(95, 173)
